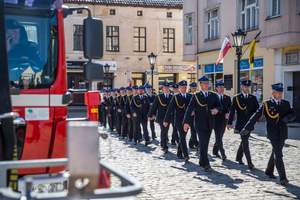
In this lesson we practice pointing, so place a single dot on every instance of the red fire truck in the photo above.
(35, 46)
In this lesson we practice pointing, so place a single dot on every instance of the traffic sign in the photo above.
(149, 73)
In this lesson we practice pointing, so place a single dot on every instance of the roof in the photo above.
(142, 3)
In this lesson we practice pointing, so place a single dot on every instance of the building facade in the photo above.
(132, 30)
(277, 47)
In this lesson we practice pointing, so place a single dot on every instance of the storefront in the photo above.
(254, 74)
(214, 73)
(175, 73)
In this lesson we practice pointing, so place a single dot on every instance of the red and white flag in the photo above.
(225, 46)
(131, 82)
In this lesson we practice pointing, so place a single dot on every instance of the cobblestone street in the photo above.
(164, 176)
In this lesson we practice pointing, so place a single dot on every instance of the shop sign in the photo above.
(219, 68)
(209, 68)
(259, 62)
(180, 68)
(112, 64)
(75, 64)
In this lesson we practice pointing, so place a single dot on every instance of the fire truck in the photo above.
(34, 98)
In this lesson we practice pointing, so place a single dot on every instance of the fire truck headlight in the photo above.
(52, 187)
(59, 187)
(40, 189)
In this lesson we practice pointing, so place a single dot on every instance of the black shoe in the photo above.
(147, 143)
(180, 156)
(224, 157)
(240, 162)
(140, 140)
(250, 166)
(166, 150)
(271, 176)
(135, 143)
(192, 147)
(197, 148)
(207, 167)
(217, 155)
(186, 159)
(173, 143)
(130, 139)
(283, 182)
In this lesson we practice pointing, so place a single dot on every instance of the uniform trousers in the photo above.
(204, 136)
(219, 132)
(164, 135)
(182, 145)
(244, 148)
(276, 158)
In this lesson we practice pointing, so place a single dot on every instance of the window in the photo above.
(78, 37)
(191, 78)
(189, 28)
(212, 24)
(292, 58)
(112, 12)
(112, 38)
(275, 7)
(249, 15)
(139, 39)
(139, 13)
(214, 73)
(169, 40)
(31, 33)
(169, 14)
(79, 12)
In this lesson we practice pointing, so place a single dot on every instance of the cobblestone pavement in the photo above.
(164, 176)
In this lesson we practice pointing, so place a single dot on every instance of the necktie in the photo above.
(141, 97)
(278, 103)
(206, 94)
(221, 98)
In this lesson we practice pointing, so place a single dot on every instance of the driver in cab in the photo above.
(17, 48)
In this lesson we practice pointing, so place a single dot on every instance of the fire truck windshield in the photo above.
(32, 46)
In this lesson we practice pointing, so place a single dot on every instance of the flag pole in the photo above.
(250, 43)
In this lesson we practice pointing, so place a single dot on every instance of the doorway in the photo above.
(76, 81)
(296, 94)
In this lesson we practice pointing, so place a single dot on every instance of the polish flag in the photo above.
(131, 83)
(225, 46)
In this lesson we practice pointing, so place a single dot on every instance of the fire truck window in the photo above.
(33, 46)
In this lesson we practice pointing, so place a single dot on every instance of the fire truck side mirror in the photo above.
(92, 38)
(92, 72)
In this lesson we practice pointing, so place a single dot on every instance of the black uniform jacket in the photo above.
(110, 104)
(203, 119)
(117, 101)
(245, 109)
(127, 105)
(104, 103)
(140, 107)
(151, 97)
(276, 128)
(159, 107)
(177, 105)
(220, 117)
(123, 100)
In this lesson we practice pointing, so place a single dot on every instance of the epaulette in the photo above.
(212, 91)
(195, 92)
(226, 95)
(145, 95)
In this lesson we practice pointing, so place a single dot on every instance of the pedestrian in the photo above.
(179, 103)
(158, 111)
(193, 143)
(221, 119)
(278, 113)
(245, 104)
(151, 97)
(139, 107)
(204, 105)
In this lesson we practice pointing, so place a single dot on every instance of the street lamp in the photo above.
(152, 58)
(238, 38)
(106, 68)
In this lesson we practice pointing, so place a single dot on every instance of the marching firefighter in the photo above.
(151, 97)
(128, 112)
(175, 137)
(193, 143)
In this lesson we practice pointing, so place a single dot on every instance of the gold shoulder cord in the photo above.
(161, 102)
(129, 99)
(271, 116)
(238, 103)
(109, 100)
(205, 105)
(178, 103)
(139, 106)
(123, 100)
(118, 101)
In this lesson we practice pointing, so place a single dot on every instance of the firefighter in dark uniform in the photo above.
(175, 137)
(205, 106)
(193, 143)
(123, 99)
(100, 115)
(179, 103)
(128, 112)
(278, 113)
(105, 108)
(139, 107)
(117, 92)
(110, 111)
(158, 111)
(221, 121)
(151, 97)
(119, 112)
(245, 104)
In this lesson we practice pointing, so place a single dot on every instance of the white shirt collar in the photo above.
(220, 95)
(276, 101)
(204, 92)
(245, 94)
(184, 95)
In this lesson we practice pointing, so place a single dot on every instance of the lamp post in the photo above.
(238, 38)
(106, 68)
(152, 58)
